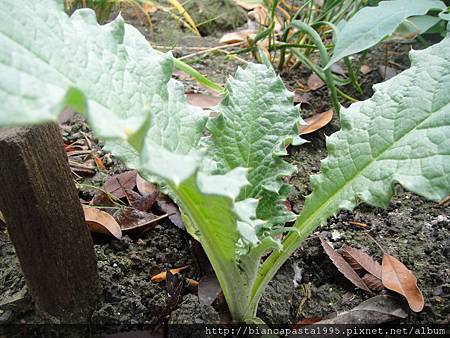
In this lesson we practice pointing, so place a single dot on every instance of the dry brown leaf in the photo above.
(365, 69)
(315, 82)
(162, 275)
(316, 122)
(237, 36)
(203, 100)
(343, 266)
(337, 69)
(300, 97)
(373, 282)
(387, 72)
(375, 310)
(130, 218)
(144, 187)
(101, 222)
(101, 199)
(168, 207)
(396, 277)
(116, 185)
(360, 260)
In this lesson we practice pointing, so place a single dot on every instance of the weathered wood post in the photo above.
(45, 222)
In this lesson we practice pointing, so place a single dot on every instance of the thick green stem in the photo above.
(324, 58)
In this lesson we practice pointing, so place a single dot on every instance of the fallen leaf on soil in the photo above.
(373, 282)
(101, 199)
(169, 208)
(396, 277)
(174, 286)
(101, 222)
(237, 36)
(376, 310)
(365, 69)
(208, 289)
(359, 260)
(144, 187)
(316, 122)
(130, 218)
(117, 184)
(337, 69)
(139, 202)
(387, 72)
(163, 275)
(203, 100)
(2, 219)
(343, 266)
(302, 97)
(315, 82)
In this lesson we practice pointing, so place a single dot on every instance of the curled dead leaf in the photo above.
(130, 218)
(397, 277)
(359, 260)
(343, 266)
(315, 82)
(101, 222)
(162, 275)
(373, 282)
(116, 185)
(168, 207)
(376, 310)
(316, 122)
(144, 187)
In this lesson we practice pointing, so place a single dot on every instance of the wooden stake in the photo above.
(46, 224)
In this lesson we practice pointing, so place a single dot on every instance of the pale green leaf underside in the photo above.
(256, 120)
(400, 135)
(372, 24)
(109, 72)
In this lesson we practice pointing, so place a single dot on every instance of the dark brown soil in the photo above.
(412, 229)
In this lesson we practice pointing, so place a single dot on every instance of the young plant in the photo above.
(229, 184)
(371, 25)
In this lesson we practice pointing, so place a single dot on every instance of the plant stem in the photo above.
(352, 74)
(324, 58)
(184, 67)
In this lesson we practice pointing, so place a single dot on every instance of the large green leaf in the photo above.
(401, 135)
(372, 24)
(225, 227)
(109, 72)
(257, 119)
